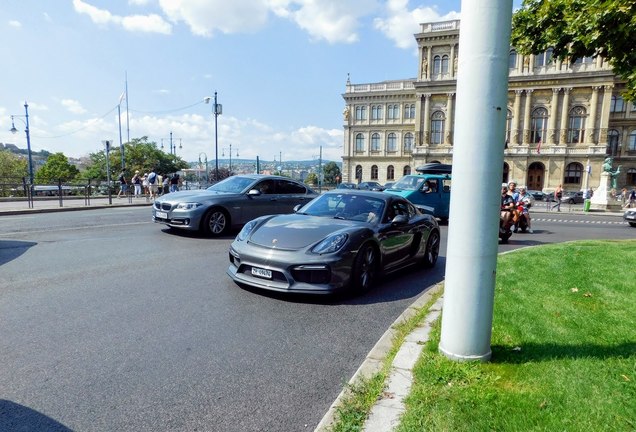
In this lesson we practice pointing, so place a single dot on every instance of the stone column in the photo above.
(565, 115)
(605, 114)
(448, 133)
(526, 117)
(590, 133)
(554, 112)
(516, 114)
(426, 121)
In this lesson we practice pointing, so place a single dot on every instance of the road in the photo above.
(110, 322)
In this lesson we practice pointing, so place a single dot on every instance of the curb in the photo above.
(373, 361)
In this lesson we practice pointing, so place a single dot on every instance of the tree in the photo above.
(139, 154)
(581, 28)
(12, 166)
(312, 179)
(56, 167)
(330, 171)
(223, 174)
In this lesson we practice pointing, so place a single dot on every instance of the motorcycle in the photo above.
(505, 230)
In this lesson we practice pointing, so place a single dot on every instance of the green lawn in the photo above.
(563, 351)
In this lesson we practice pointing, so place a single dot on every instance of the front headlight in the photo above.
(187, 206)
(247, 230)
(331, 244)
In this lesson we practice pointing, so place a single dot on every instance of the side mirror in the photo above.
(400, 220)
(254, 192)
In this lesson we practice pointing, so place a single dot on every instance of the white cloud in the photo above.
(15, 24)
(333, 21)
(204, 17)
(138, 2)
(400, 23)
(135, 23)
(73, 106)
(146, 23)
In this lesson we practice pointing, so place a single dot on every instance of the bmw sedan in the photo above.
(342, 240)
(230, 203)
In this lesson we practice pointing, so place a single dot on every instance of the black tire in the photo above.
(432, 250)
(365, 267)
(632, 224)
(216, 222)
(571, 201)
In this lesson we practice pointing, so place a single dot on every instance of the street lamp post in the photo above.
(173, 148)
(218, 110)
(223, 155)
(28, 138)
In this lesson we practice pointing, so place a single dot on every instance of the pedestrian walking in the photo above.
(166, 184)
(631, 202)
(145, 184)
(174, 182)
(136, 181)
(152, 183)
(123, 184)
(558, 194)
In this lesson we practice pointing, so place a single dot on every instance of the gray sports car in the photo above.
(341, 240)
(230, 203)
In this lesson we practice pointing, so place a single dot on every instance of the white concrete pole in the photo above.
(480, 123)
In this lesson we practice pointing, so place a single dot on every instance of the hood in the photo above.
(296, 231)
(195, 195)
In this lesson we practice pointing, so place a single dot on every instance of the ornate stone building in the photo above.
(563, 119)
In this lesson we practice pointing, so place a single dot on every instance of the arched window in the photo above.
(576, 129)
(539, 124)
(391, 142)
(408, 142)
(361, 113)
(374, 172)
(359, 172)
(376, 112)
(393, 112)
(444, 64)
(437, 127)
(573, 173)
(631, 141)
(359, 143)
(613, 142)
(512, 60)
(390, 173)
(543, 59)
(409, 111)
(437, 65)
(375, 142)
(617, 105)
(406, 170)
(506, 172)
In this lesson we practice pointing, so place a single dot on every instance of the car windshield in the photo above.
(409, 182)
(346, 206)
(234, 184)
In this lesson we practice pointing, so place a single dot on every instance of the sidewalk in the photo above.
(53, 204)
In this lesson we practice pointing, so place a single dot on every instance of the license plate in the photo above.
(263, 273)
(630, 216)
(161, 215)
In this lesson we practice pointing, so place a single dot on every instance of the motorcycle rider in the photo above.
(524, 201)
(516, 214)
(507, 209)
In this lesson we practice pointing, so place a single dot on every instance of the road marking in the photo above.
(73, 229)
(578, 221)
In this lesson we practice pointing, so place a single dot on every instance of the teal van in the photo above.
(428, 190)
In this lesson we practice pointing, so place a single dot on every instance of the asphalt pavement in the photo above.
(385, 414)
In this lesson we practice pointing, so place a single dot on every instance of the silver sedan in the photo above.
(230, 203)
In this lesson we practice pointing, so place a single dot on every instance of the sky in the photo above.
(279, 69)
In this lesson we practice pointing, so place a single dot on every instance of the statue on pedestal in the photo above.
(607, 167)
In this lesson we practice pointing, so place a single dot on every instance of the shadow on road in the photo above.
(16, 417)
(12, 249)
